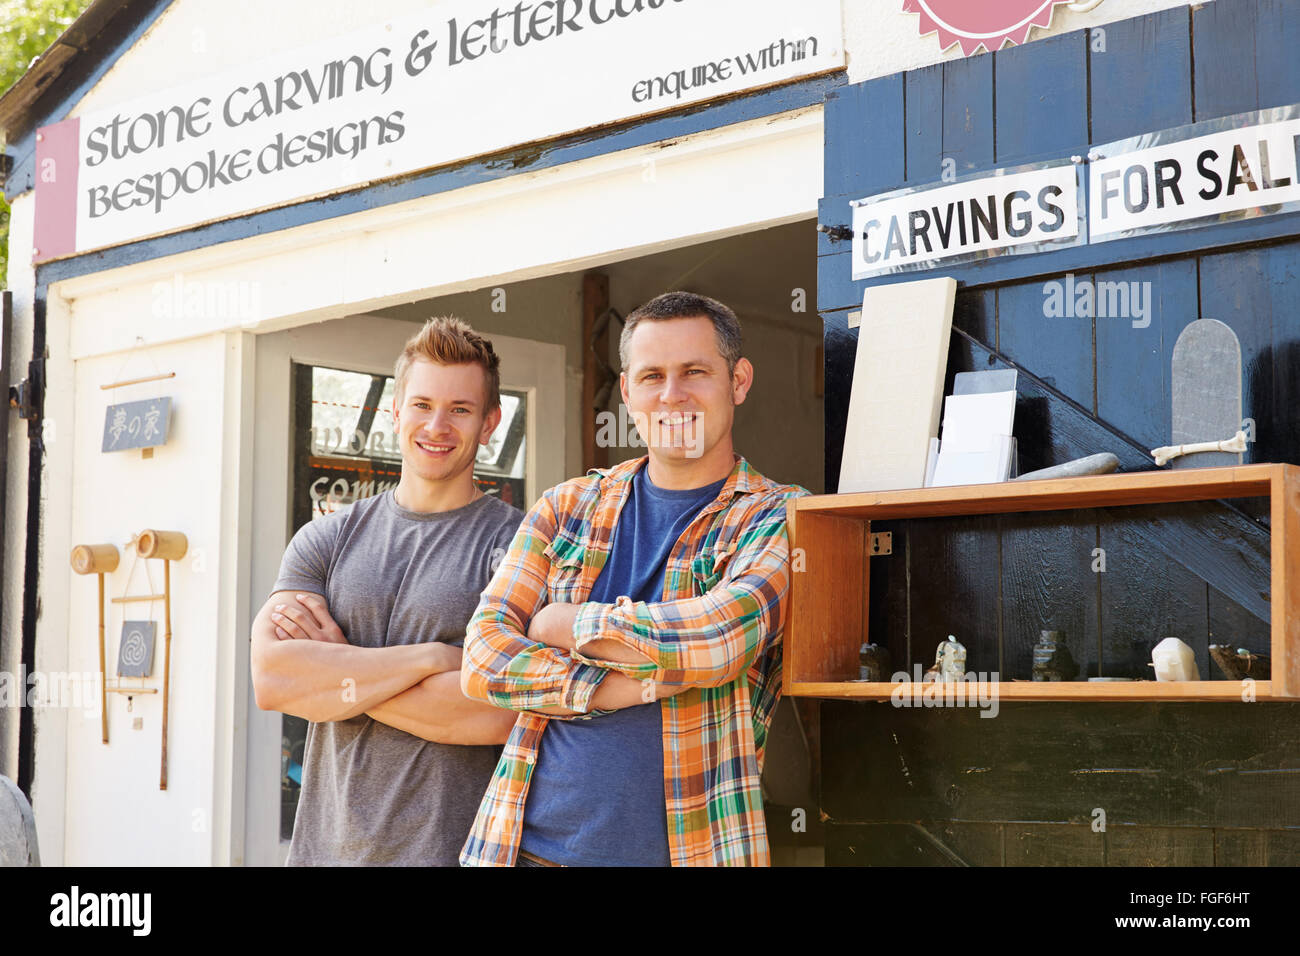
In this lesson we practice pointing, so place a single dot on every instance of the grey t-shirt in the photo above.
(371, 794)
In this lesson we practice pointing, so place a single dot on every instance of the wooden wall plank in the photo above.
(1245, 56)
(1048, 584)
(1277, 68)
(1146, 598)
(1257, 293)
(1053, 844)
(1159, 846)
(1056, 348)
(864, 137)
(1042, 99)
(839, 355)
(901, 844)
(1133, 362)
(1150, 764)
(829, 565)
(1257, 847)
(923, 106)
(967, 115)
(1143, 81)
(864, 149)
(954, 589)
(1223, 38)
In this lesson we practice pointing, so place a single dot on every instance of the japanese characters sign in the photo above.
(140, 424)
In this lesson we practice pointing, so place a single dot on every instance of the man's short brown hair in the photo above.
(687, 305)
(448, 340)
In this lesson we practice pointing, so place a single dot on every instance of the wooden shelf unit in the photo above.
(829, 598)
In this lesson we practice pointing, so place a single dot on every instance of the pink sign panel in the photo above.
(986, 23)
(56, 190)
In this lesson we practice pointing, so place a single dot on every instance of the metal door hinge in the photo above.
(27, 395)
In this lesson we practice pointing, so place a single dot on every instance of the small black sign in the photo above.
(140, 424)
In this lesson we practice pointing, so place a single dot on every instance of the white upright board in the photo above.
(897, 384)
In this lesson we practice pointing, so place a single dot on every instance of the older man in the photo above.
(635, 626)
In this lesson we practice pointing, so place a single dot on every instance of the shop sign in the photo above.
(465, 78)
(1008, 211)
(142, 424)
(988, 23)
(1238, 167)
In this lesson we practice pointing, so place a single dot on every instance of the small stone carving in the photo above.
(1052, 659)
(873, 662)
(1101, 464)
(1237, 663)
(949, 661)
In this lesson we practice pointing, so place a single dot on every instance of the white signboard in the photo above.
(1006, 211)
(462, 79)
(1226, 169)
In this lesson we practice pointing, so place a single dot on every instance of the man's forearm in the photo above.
(553, 626)
(321, 681)
(617, 692)
(435, 709)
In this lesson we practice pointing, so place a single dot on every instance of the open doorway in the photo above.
(327, 386)
(767, 277)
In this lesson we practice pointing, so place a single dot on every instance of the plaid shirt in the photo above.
(718, 630)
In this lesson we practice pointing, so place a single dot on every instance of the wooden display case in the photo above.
(830, 595)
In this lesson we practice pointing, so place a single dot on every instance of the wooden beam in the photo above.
(595, 300)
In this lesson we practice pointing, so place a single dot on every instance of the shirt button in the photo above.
(530, 759)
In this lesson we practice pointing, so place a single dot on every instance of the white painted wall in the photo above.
(116, 813)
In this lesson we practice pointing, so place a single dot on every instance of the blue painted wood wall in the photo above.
(1178, 783)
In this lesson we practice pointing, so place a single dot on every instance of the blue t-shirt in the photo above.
(597, 793)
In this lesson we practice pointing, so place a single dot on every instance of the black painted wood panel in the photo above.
(1042, 98)
(1143, 80)
(1145, 598)
(923, 99)
(1048, 584)
(1057, 347)
(1257, 292)
(1135, 351)
(1245, 56)
(1148, 764)
(1179, 783)
(967, 116)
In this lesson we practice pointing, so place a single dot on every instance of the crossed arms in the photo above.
(525, 654)
(303, 665)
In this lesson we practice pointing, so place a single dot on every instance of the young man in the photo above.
(649, 598)
(360, 635)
